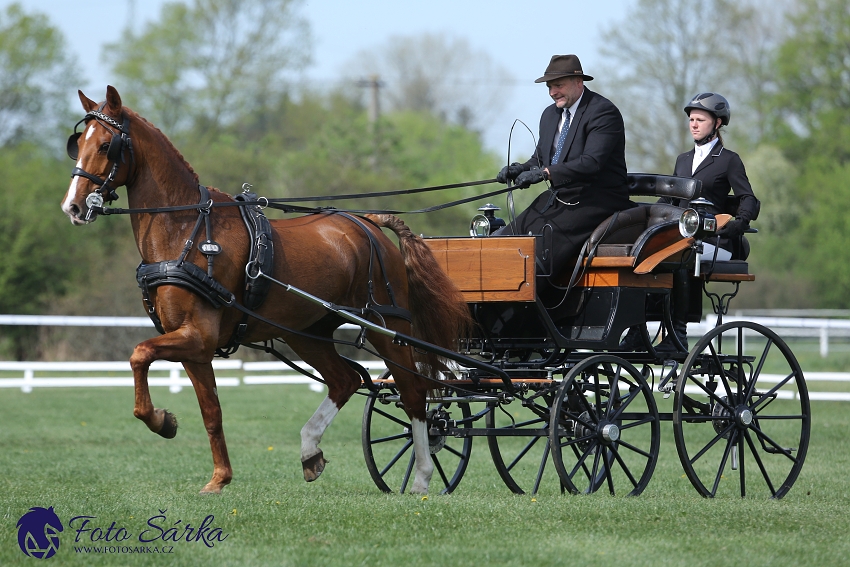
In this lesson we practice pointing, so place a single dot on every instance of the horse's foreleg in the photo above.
(160, 421)
(203, 379)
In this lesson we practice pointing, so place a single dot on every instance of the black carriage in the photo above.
(553, 391)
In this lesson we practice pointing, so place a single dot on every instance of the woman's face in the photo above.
(701, 123)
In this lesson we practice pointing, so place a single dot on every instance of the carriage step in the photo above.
(668, 382)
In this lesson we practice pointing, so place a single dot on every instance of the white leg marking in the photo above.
(424, 466)
(311, 433)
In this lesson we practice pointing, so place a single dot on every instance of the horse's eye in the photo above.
(104, 147)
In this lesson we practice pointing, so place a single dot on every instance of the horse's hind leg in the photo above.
(413, 390)
(342, 382)
(203, 379)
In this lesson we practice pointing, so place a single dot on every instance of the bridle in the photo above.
(115, 152)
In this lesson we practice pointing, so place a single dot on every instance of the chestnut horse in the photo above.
(326, 255)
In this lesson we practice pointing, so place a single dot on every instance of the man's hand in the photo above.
(529, 178)
(735, 228)
(509, 172)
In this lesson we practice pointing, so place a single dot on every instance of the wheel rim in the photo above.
(523, 461)
(748, 433)
(388, 445)
(604, 429)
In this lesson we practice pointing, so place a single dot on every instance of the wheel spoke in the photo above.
(759, 463)
(407, 472)
(606, 458)
(740, 379)
(773, 390)
(453, 451)
(624, 405)
(765, 437)
(757, 372)
(522, 453)
(726, 452)
(440, 470)
(709, 393)
(634, 449)
(615, 390)
(541, 469)
(390, 417)
(741, 469)
(711, 443)
(623, 464)
(398, 455)
(390, 438)
(722, 376)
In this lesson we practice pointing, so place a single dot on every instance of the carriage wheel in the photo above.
(739, 425)
(388, 444)
(523, 461)
(604, 428)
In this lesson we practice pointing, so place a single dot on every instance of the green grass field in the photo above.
(82, 452)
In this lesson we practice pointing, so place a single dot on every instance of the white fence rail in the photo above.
(91, 374)
(232, 372)
(261, 373)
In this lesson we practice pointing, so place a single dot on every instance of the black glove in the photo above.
(529, 178)
(735, 228)
(509, 172)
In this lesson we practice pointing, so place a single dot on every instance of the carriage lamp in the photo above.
(487, 223)
(697, 221)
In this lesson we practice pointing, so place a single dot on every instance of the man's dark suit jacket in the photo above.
(592, 165)
(589, 179)
(721, 171)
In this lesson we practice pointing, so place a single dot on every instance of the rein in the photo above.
(279, 204)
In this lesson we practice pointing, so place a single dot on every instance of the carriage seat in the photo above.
(626, 233)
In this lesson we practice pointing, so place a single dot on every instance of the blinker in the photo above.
(73, 146)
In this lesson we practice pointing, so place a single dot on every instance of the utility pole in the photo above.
(374, 84)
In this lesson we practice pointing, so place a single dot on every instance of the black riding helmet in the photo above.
(713, 103)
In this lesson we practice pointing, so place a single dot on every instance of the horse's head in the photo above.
(103, 152)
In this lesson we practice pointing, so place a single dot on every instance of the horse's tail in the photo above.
(440, 313)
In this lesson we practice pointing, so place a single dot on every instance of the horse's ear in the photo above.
(113, 100)
(88, 104)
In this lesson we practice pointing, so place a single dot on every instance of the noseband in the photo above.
(115, 152)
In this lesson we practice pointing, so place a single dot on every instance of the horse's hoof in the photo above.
(314, 466)
(210, 490)
(169, 426)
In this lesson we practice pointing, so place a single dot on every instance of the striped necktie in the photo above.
(560, 145)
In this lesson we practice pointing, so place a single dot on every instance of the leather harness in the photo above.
(260, 262)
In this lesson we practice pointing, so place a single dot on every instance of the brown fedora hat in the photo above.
(563, 66)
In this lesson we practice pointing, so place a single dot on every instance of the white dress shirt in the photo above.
(701, 152)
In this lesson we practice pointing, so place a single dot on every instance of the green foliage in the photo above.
(35, 77)
(812, 66)
(825, 231)
(202, 66)
(42, 253)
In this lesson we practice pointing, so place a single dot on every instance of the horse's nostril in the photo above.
(75, 210)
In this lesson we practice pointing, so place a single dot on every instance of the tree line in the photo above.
(222, 79)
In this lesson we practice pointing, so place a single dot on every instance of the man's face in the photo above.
(565, 91)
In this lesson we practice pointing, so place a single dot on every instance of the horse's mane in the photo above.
(135, 115)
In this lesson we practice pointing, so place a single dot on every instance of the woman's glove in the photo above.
(735, 228)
